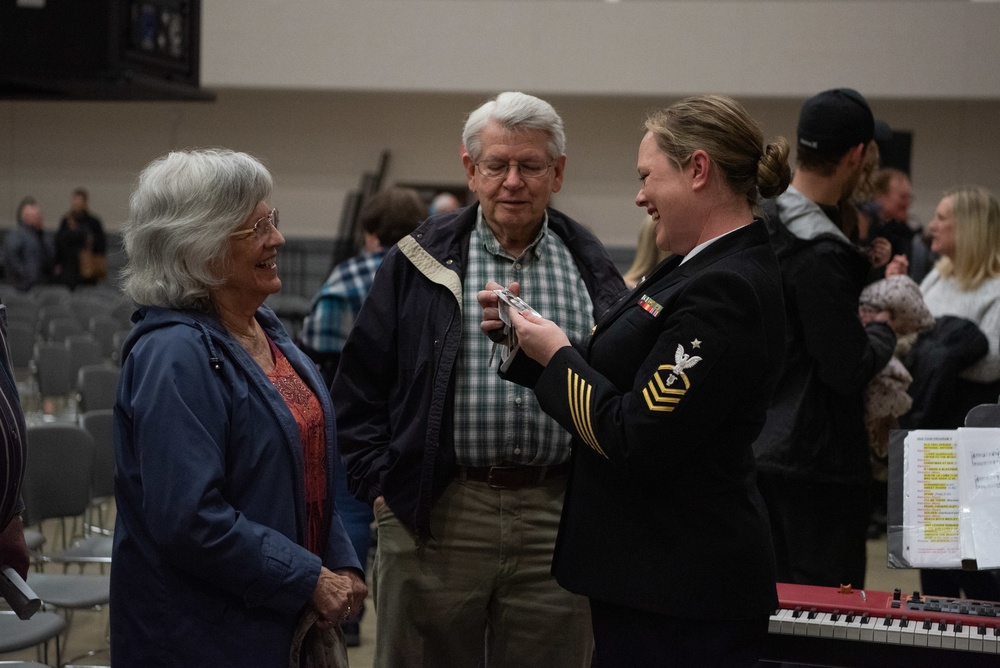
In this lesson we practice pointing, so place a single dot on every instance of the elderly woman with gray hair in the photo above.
(227, 541)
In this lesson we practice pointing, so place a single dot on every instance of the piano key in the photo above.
(962, 636)
(825, 621)
(786, 622)
(892, 631)
(921, 631)
(944, 635)
(976, 638)
(812, 623)
(854, 627)
(866, 629)
(881, 630)
(907, 632)
(774, 621)
(798, 622)
(936, 631)
(991, 643)
(840, 623)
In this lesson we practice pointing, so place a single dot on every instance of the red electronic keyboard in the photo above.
(829, 626)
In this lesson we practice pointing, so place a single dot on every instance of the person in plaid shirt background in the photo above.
(386, 218)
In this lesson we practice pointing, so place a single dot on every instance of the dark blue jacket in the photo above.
(394, 389)
(209, 564)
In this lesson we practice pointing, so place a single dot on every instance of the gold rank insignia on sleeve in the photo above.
(579, 391)
(659, 393)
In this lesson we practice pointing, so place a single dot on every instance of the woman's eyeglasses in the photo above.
(270, 221)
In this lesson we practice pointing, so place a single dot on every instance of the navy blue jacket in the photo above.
(394, 389)
(209, 564)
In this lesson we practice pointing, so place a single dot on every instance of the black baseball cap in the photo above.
(835, 120)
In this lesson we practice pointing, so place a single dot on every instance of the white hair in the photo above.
(515, 111)
(181, 213)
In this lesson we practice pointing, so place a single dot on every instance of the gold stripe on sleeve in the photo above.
(578, 396)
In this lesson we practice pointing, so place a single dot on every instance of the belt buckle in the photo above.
(499, 470)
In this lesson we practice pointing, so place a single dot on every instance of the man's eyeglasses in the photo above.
(260, 231)
(495, 169)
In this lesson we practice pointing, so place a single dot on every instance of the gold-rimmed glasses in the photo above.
(258, 230)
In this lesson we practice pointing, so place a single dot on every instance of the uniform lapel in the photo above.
(631, 298)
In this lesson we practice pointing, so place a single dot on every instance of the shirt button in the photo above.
(517, 401)
(448, 261)
(517, 266)
(517, 451)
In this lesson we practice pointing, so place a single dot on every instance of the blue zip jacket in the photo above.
(209, 564)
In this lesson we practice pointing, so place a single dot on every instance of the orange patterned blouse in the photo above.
(309, 416)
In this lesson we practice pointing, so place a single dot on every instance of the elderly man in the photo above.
(465, 472)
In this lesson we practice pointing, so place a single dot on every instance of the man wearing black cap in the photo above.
(812, 455)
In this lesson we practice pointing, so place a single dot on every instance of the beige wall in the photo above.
(787, 48)
(317, 88)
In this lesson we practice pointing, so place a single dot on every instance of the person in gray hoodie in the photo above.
(812, 455)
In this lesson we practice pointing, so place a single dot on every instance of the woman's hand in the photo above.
(492, 325)
(539, 338)
(338, 596)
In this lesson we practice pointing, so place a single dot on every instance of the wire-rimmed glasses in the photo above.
(530, 169)
(258, 230)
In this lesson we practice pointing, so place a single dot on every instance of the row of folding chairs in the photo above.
(70, 473)
(57, 321)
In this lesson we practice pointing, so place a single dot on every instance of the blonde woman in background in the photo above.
(647, 255)
(965, 284)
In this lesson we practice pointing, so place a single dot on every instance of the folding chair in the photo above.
(50, 368)
(96, 385)
(59, 328)
(103, 328)
(17, 634)
(99, 424)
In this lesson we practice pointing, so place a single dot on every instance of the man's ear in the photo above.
(470, 169)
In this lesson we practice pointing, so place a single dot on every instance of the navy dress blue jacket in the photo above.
(662, 512)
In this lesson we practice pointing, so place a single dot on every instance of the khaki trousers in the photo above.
(480, 592)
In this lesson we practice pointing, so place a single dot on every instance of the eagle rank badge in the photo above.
(660, 392)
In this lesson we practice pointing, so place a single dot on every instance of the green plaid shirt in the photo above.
(498, 421)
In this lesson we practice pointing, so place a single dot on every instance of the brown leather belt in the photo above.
(511, 476)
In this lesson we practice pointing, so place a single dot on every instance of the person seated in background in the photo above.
(647, 255)
(27, 249)
(81, 245)
(385, 219)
